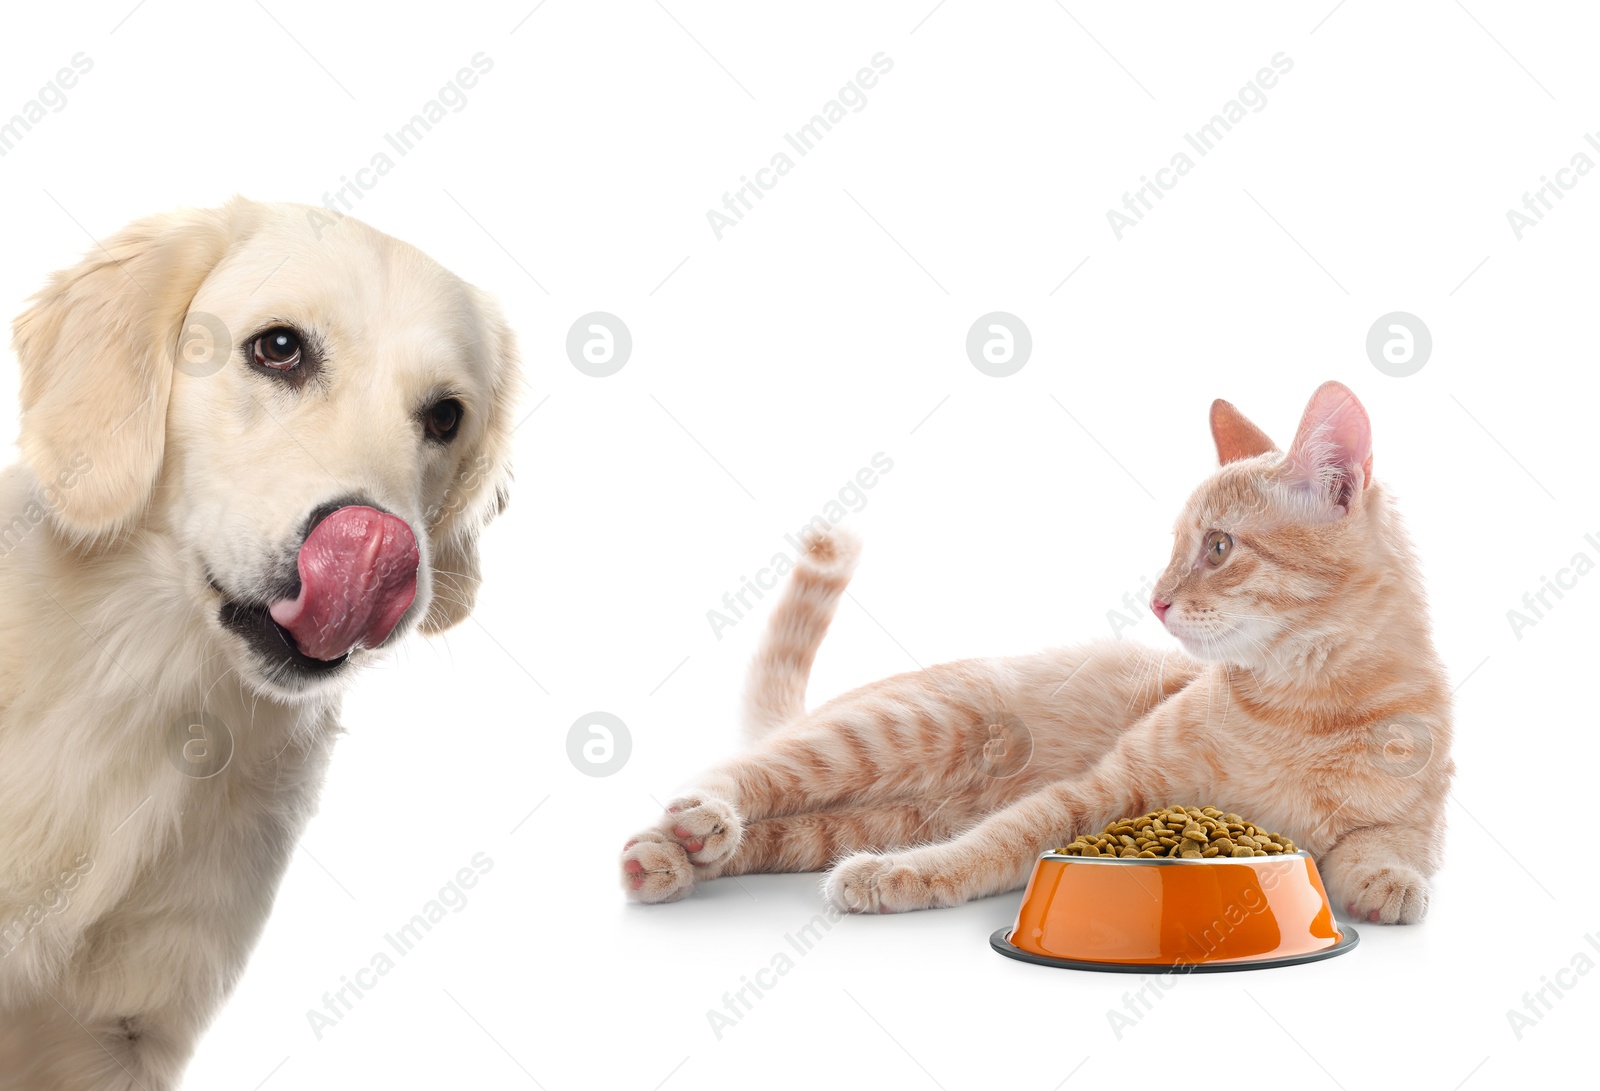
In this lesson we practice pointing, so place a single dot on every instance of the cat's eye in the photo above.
(1218, 545)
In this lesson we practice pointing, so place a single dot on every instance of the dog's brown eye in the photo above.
(278, 349)
(1218, 545)
(443, 419)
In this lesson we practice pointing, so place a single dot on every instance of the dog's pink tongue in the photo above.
(358, 573)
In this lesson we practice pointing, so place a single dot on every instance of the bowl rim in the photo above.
(1000, 941)
(1168, 861)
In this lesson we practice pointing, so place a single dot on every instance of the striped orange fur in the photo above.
(1310, 700)
(776, 693)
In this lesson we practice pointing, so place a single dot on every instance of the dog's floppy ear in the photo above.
(481, 486)
(97, 348)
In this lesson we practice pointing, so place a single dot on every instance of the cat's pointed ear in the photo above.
(1235, 436)
(1332, 450)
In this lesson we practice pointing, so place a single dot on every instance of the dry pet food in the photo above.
(1188, 833)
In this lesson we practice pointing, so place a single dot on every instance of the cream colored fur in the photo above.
(131, 893)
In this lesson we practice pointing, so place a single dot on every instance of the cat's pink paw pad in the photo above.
(1393, 894)
(708, 828)
(655, 869)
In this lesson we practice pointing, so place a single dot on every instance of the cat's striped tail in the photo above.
(775, 693)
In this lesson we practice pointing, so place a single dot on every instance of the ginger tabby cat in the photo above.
(1314, 705)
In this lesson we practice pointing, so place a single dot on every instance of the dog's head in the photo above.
(310, 416)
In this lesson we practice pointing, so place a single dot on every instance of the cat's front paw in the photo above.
(869, 883)
(708, 828)
(1386, 894)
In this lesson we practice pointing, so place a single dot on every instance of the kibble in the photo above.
(1185, 833)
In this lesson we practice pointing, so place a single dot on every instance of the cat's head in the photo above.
(1272, 538)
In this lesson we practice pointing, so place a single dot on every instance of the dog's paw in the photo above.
(1387, 894)
(869, 883)
(707, 827)
(655, 868)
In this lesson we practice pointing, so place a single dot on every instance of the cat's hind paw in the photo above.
(697, 835)
(655, 868)
(708, 828)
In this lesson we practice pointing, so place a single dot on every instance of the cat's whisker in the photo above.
(1153, 672)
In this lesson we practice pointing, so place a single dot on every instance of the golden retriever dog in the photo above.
(258, 445)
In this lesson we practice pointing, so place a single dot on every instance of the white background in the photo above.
(770, 366)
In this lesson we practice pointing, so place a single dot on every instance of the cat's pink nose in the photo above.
(1160, 606)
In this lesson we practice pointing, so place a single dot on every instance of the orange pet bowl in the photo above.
(1174, 915)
